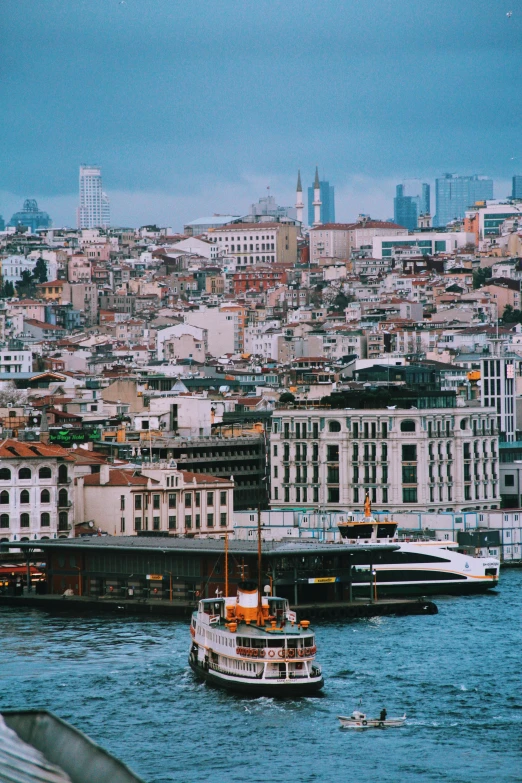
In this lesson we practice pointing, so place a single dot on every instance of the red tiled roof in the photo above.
(10, 448)
(119, 477)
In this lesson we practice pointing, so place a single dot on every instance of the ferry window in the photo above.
(407, 426)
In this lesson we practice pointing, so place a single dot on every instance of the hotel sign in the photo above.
(66, 437)
(155, 577)
(322, 580)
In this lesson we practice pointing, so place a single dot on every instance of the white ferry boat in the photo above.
(417, 566)
(253, 645)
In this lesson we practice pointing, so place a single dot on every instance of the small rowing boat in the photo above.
(358, 720)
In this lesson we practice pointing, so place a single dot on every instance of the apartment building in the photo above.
(36, 501)
(257, 243)
(431, 459)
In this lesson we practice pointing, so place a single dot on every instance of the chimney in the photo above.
(104, 474)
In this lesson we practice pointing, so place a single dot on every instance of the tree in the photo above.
(511, 316)
(7, 290)
(341, 302)
(481, 276)
(10, 395)
(40, 271)
(25, 287)
(286, 397)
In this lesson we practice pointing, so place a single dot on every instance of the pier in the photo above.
(156, 607)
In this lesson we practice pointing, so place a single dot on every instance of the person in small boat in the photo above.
(383, 714)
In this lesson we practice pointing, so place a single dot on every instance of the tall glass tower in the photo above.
(412, 199)
(456, 194)
(93, 211)
(327, 203)
(516, 191)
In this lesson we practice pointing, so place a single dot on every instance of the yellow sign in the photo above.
(155, 577)
(322, 580)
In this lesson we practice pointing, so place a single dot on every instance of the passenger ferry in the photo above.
(253, 645)
(417, 566)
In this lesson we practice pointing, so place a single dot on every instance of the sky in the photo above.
(194, 108)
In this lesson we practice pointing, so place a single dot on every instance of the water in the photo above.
(126, 683)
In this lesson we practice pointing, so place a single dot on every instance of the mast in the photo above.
(226, 565)
(260, 620)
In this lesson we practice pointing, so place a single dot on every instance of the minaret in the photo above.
(299, 198)
(316, 203)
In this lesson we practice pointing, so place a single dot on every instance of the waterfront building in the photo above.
(36, 501)
(455, 194)
(93, 208)
(156, 498)
(410, 202)
(432, 456)
(498, 389)
(326, 201)
(31, 217)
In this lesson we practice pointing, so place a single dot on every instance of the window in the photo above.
(24, 496)
(63, 499)
(24, 520)
(156, 501)
(409, 453)
(509, 480)
(188, 499)
(45, 496)
(43, 473)
(4, 498)
(4, 520)
(197, 498)
(172, 500)
(332, 453)
(24, 473)
(223, 519)
(333, 494)
(62, 474)
(275, 449)
(122, 525)
(45, 519)
(137, 502)
(210, 520)
(137, 523)
(409, 474)
(407, 426)
(155, 523)
(409, 495)
(223, 498)
(334, 426)
(172, 522)
(333, 474)
(188, 520)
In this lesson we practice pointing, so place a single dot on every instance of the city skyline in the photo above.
(173, 161)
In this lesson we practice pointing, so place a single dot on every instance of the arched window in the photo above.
(45, 519)
(24, 520)
(62, 498)
(63, 520)
(463, 424)
(408, 426)
(24, 473)
(4, 498)
(4, 520)
(45, 473)
(45, 496)
(62, 474)
(24, 496)
(334, 426)
(5, 474)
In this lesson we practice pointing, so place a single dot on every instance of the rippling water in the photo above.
(126, 683)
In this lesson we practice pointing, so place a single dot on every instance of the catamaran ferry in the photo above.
(253, 644)
(415, 567)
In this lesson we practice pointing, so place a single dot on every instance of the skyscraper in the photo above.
(516, 191)
(31, 217)
(456, 194)
(327, 212)
(408, 206)
(94, 211)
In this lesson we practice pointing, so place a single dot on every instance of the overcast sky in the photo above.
(195, 107)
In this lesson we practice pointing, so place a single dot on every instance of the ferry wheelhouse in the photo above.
(254, 645)
(416, 566)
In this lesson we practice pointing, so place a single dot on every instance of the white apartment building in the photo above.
(257, 243)
(13, 266)
(434, 459)
(178, 332)
(13, 361)
(427, 243)
(93, 210)
(161, 498)
(224, 334)
(36, 499)
(338, 240)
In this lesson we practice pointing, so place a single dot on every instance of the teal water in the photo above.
(126, 683)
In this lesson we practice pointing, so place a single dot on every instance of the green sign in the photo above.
(67, 437)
